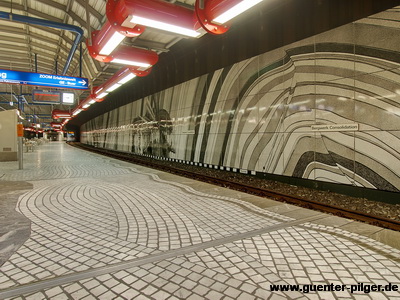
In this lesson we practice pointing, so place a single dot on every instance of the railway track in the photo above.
(306, 203)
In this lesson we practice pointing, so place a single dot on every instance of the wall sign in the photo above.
(335, 127)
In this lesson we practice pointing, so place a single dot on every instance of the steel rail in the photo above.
(306, 203)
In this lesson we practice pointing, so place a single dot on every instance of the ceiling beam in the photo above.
(13, 55)
(23, 34)
(58, 50)
(21, 48)
(92, 11)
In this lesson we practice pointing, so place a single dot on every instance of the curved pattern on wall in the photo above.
(257, 114)
(273, 132)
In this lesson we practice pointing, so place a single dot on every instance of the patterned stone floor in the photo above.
(104, 229)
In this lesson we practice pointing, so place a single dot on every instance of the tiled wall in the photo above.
(257, 114)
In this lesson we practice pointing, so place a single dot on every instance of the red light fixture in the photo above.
(118, 79)
(123, 75)
(64, 122)
(60, 114)
(76, 111)
(109, 37)
(56, 125)
(84, 104)
(141, 58)
(97, 91)
(153, 13)
(214, 15)
(30, 129)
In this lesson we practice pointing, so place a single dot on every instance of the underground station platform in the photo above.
(78, 225)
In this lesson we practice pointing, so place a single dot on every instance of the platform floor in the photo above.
(90, 227)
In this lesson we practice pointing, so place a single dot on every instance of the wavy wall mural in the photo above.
(274, 113)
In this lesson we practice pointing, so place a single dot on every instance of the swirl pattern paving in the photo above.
(115, 214)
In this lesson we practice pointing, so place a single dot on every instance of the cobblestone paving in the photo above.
(14, 227)
(101, 230)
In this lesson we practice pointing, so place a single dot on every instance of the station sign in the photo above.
(41, 79)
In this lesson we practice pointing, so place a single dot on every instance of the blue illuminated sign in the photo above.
(39, 79)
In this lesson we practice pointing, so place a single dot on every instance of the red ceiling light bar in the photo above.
(30, 129)
(123, 75)
(105, 40)
(96, 92)
(60, 114)
(84, 105)
(214, 15)
(153, 13)
(118, 79)
(141, 58)
(55, 125)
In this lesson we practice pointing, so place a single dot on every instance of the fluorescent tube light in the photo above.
(92, 101)
(164, 26)
(112, 43)
(130, 63)
(102, 95)
(86, 106)
(235, 11)
(113, 87)
(127, 78)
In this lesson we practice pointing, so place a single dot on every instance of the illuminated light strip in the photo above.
(235, 11)
(164, 26)
(77, 112)
(102, 95)
(86, 105)
(92, 101)
(112, 43)
(113, 87)
(127, 78)
(130, 63)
